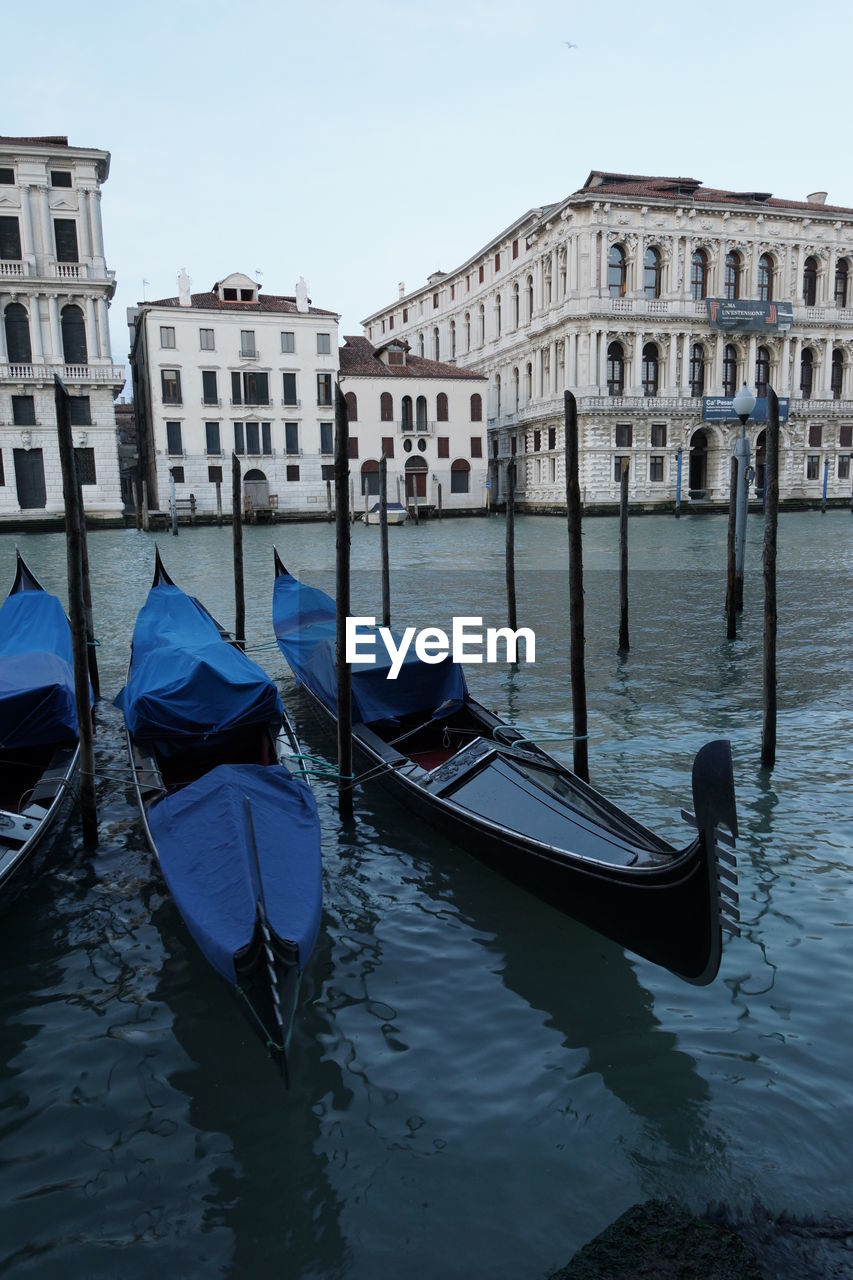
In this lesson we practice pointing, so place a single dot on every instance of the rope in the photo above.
(270, 1043)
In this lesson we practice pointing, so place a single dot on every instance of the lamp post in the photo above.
(743, 405)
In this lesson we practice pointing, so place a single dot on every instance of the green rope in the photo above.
(270, 1043)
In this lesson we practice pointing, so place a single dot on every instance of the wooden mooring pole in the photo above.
(219, 503)
(330, 512)
(439, 499)
(77, 613)
(173, 502)
(771, 518)
(624, 641)
(731, 596)
(91, 647)
(576, 624)
(342, 607)
(383, 541)
(237, 532)
(510, 545)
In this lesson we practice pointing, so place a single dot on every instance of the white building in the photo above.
(427, 417)
(653, 300)
(54, 293)
(235, 370)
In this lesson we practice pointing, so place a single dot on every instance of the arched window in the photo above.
(842, 272)
(460, 476)
(516, 312)
(810, 282)
(765, 278)
(477, 406)
(699, 275)
(498, 316)
(729, 370)
(352, 406)
(731, 280)
(615, 369)
(406, 422)
(467, 330)
(651, 273)
(74, 336)
(441, 407)
(837, 381)
(421, 413)
(762, 371)
(370, 477)
(530, 297)
(17, 325)
(650, 369)
(516, 390)
(386, 407)
(482, 325)
(420, 344)
(617, 271)
(806, 373)
(697, 370)
(452, 339)
(436, 344)
(528, 383)
(698, 461)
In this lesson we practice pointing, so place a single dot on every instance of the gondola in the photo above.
(39, 745)
(510, 804)
(236, 835)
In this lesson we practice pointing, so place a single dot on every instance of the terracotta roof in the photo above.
(266, 303)
(601, 184)
(55, 140)
(358, 358)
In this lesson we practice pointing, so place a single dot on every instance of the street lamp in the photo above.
(743, 405)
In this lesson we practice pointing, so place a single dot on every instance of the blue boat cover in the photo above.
(37, 702)
(205, 849)
(304, 623)
(185, 681)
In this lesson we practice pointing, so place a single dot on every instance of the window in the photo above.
(515, 248)
(537, 440)
(441, 407)
(765, 278)
(407, 421)
(170, 384)
(552, 437)
(60, 178)
(7, 177)
(388, 446)
(291, 437)
(651, 273)
(324, 389)
(476, 446)
(436, 344)
(352, 406)
(481, 273)
(435, 302)
(370, 478)
(731, 276)
(697, 370)
(324, 345)
(658, 435)
(421, 413)
(650, 369)
(729, 370)
(288, 381)
(386, 407)
(24, 411)
(85, 461)
(460, 476)
(214, 475)
(615, 369)
(256, 388)
(420, 345)
(476, 407)
(352, 450)
(327, 439)
(10, 240)
(815, 435)
(810, 282)
(497, 262)
(327, 472)
(617, 271)
(253, 438)
(452, 339)
(266, 437)
(498, 316)
(843, 468)
(167, 336)
(80, 411)
(396, 355)
(17, 325)
(288, 344)
(806, 373)
(656, 469)
(842, 272)
(405, 315)
(230, 295)
(624, 435)
(205, 340)
(247, 342)
(65, 234)
(293, 472)
(214, 445)
(618, 464)
(209, 389)
(443, 443)
(239, 438)
(73, 326)
(177, 474)
(762, 371)
(174, 444)
(699, 275)
(845, 436)
(813, 467)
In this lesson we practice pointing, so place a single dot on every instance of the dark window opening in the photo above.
(291, 438)
(65, 234)
(214, 444)
(806, 373)
(699, 275)
(85, 461)
(10, 240)
(253, 438)
(352, 406)
(177, 474)
(289, 388)
(651, 273)
(327, 472)
(731, 279)
(729, 371)
(615, 369)
(352, 447)
(80, 411)
(460, 476)
(765, 278)
(7, 177)
(230, 295)
(214, 475)
(618, 465)
(476, 446)
(324, 389)
(24, 411)
(266, 437)
(441, 407)
(842, 273)
(327, 444)
(762, 371)
(443, 443)
(209, 389)
(810, 282)
(239, 438)
(17, 325)
(815, 435)
(256, 389)
(386, 407)
(60, 178)
(293, 472)
(650, 369)
(74, 348)
(813, 467)
(617, 271)
(656, 469)
(476, 407)
(658, 435)
(624, 435)
(170, 383)
(174, 442)
(845, 436)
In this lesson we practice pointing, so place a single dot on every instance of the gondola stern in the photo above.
(280, 570)
(715, 819)
(25, 579)
(161, 577)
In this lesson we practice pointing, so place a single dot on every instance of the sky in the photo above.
(360, 145)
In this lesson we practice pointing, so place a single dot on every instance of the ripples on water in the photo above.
(478, 1084)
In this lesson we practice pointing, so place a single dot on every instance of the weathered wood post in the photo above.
(91, 647)
(137, 502)
(146, 524)
(329, 508)
(576, 622)
(400, 496)
(383, 541)
(77, 614)
(678, 465)
(237, 533)
(173, 502)
(219, 503)
(415, 498)
(510, 545)
(624, 641)
(771, 517)
(351, 500)
(439, 499)
(731, 605)
(366, 504)
(825, 482)
(342, 607)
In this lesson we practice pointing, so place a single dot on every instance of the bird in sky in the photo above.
(569, 44)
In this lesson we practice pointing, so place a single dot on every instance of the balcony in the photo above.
(416, 429)
(111, 374)
(15, 270)
(291, 404)
(250, 404)
(211, 404)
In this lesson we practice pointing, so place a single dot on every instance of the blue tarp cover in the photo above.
(202, 837)
(185, 681)
(304, 623)
(37, 703)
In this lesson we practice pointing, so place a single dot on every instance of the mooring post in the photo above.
(415, 498)
(383, 541)
(342, 607)
(576, 625)
(219, 503)
(743, 405)
(439, 499)
(678, 463)
(146, 524)
(329, 509)
(77, 613)
(825, 481)
(624, 642)
(399, 494)
(237, 533)
(137, 502)
(731, 610)
(366, 504)
(771, 518)
(351, 499)
(91, 647)
(173, 502)
(510, 544)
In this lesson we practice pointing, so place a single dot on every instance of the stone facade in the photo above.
(55, 291)
(606, 293)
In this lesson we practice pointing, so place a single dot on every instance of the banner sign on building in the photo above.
(746, 316)
(720, 409)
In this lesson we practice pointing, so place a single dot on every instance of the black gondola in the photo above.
(510, 804)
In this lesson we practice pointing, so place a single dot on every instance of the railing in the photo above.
(211, 404)
(69, 270)
(109, 373)
(249, 355)
(416, 428)
(250, 404)
(291, 404)
(14, 268)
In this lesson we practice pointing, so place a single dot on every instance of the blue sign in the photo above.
(720, 409)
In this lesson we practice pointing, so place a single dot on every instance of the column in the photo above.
(83, 225)
(92, 345)
(35, 331)
(104, 329)
(827, 368)
(553, 388)
(97, 235)
(749, 375)
(572, 362)
(26, 226)
(672, 376)
(785, 367)
(3, 353)
(55, 328)
(603, 251)
(796, 345)
(46, 249)
(717, 373)
(637, 376)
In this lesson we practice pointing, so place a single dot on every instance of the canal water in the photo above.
(479, 1085)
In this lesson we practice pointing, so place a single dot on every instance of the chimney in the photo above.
(301, 294)
(401, 288)
(185, 297)
(817, 197)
